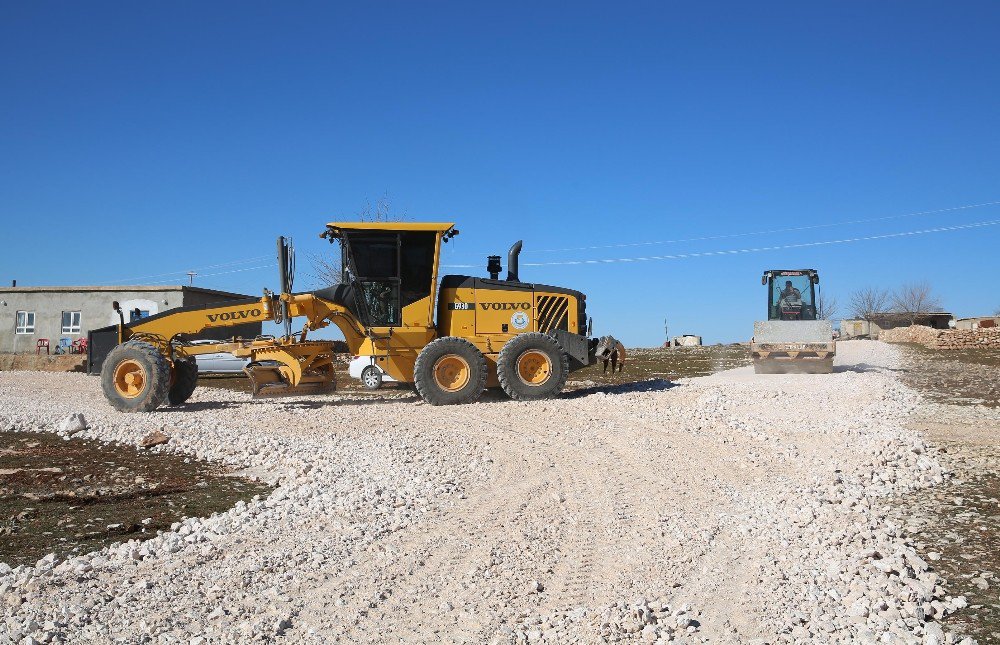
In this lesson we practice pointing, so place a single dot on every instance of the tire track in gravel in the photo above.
(604, 490)
(575, 576)
(587, 505)
(589, 553)
(638, 487)
(552, 467)
(446, 558)
(449, 545)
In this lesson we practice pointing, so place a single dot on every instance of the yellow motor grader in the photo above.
(523, 337)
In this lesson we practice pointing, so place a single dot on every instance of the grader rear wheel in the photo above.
(450, 370)
(532, 366)
(135, 377)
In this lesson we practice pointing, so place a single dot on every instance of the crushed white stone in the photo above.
(727, 508)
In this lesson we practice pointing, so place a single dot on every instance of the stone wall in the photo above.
(943, 338)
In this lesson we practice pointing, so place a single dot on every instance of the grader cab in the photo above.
(482, 332)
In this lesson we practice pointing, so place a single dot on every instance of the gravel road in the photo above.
(727, 508)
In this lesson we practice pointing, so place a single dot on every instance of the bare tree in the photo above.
(914, 299)
(867, 302)
(380, 211)
(326, 269)
(826, 308)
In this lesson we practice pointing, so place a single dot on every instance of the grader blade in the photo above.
(268, 381)
(287, 369)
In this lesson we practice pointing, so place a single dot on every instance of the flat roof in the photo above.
(392, 226)
(118, 289)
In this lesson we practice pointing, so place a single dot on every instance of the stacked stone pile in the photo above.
(912, 334)
(943, 338)
(968, 338)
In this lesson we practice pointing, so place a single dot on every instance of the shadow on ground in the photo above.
(652, 385)
(861, 368)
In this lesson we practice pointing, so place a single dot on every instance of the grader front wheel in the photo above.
(451, 373)
(184, 382)
(135, 377)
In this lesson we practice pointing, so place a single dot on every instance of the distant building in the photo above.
(687, 340)
(978, 322)
(64, 314)
(879, 322)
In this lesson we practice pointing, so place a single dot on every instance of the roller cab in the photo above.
(792, 340)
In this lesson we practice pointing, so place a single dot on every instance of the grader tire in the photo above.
(449, 371)
(185, 380)
(135, 377)
(532, 366)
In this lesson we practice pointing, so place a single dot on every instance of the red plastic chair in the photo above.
(40, 343)
(79, 346)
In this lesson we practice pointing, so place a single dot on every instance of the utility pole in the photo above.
(191, 275)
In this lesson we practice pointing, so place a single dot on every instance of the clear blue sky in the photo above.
(139, 139)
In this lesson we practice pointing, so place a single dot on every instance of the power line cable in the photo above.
(209, 275)
(767, 232)
(684, 256)
(185, 271)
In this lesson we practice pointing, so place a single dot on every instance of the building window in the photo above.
(138, 314)
(71, 322)
(25, 322)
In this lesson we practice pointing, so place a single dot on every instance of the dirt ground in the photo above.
(43, 362)
(74, 496)
(959, 377)
(960, 522)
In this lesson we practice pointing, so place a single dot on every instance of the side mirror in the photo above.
(121, 321)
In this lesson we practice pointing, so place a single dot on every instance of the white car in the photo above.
(370, 374)
(219, 362)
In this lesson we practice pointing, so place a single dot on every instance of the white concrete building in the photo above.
(64, 314)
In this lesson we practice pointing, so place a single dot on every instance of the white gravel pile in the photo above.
(728, 508)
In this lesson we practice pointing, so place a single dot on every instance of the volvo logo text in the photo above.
(505, 306)
(235, 315)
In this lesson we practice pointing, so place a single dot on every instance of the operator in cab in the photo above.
(790, 292)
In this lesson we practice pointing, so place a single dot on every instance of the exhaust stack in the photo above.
(512, 261)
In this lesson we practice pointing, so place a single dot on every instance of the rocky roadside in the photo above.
(955, 526)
